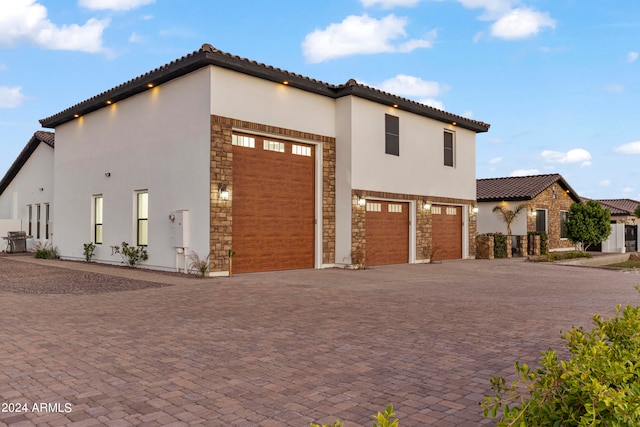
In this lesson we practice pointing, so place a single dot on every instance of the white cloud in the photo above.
(577, 155)
(630, 148)
(360, 35)
(627, 190)
(26, 21)
(605, 182)
(415, 88)
(495, 160)
(524, 172)
(388, 4)
(521, 23)
(11, 97)
(493, 9)
(614, 88)
(114, 4)
(632, 56)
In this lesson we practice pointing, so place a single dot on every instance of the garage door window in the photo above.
(273, 146)
(374, 207)
(301, 150)
(393, 208)
(243, 141)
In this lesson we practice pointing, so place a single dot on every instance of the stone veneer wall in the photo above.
(423, 222)
(222, 173)
(545, 200)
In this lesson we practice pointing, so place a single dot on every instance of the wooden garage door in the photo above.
(447, 232)
(387, 232)
(273, 204)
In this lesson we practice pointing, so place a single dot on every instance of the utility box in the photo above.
(179, 228)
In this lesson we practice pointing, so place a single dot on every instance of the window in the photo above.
(374, 207)
(46, 221)
(392, 135)
(243, 141)
(449, 149)
(541, 220)
(143, 218)
(30, 219)
(37, 221)
(97, 219)
(301, 150)
(564, 216)
(393, 208)
(273, 146)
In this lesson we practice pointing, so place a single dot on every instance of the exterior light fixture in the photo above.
(454, 123)
(286, 82)
(534, 213)
(76, 115)
(395, 105)
(474, 210)
(107, 174)
(361, 201)
(426, 205)
(224, 193)
(109, 102)
(150, 85)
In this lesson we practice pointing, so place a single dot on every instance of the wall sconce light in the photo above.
(361, 201)
(474, 210)
(224, 193)
(553, 191)
(426, 205)
(534, 213)
(108, 174)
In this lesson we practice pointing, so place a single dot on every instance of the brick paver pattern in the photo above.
(290, 348)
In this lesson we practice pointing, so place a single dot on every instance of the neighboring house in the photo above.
(26, 191)
(213, 152)
(547, 199)
(624, 226)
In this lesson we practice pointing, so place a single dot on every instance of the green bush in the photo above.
(499, 245)
(88, 251)
(383, 419)
(598, 386)
(559, 256)
(131, 255)
(46, 251)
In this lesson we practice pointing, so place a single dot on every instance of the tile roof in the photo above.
(620, 206)
(207, 55)
(38, 137)
(519, 187)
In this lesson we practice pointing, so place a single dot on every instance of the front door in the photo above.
(631, 238)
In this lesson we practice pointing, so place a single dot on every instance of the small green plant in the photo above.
(89, 249)
(201, 266)
(382, 419)
(499, 245)
(598, 386)
(131, 255)
(46, 251)
(560, 256)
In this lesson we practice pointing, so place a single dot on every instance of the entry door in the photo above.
(631, 238)
(541, 220)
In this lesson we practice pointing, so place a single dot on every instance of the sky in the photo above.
(558, 80)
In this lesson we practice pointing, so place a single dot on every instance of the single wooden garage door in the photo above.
(273, 204)
(446, 232)
(387, 232)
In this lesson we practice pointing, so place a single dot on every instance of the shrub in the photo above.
(598, 386)
(201, 266)
(383, 419)
(499, 245)
(131, 255)
(89, 248)
(46, 251)
(559, 256)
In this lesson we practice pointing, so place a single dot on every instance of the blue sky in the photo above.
(556, 79)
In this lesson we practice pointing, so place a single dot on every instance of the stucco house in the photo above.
(213, 152)
(547, 199)
(26, 191)
(624, 226)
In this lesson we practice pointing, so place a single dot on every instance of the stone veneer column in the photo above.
(358, 231)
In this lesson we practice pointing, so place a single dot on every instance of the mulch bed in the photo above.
(25, 278)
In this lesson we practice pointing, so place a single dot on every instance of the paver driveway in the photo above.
(289, 348)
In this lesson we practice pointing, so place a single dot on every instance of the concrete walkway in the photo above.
(290, 348)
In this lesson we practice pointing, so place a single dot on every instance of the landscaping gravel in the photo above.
(27, 278)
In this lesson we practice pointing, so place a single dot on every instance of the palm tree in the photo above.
(509, 215)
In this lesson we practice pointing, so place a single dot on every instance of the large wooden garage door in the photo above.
(446, 232)
(387, 233)
(273, 204)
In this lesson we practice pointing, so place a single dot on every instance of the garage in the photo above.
(446, 232)
(273, 206)
(387, 232)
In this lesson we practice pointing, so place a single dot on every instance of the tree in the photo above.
(588, 223)
(637, 211)
(509, 215)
